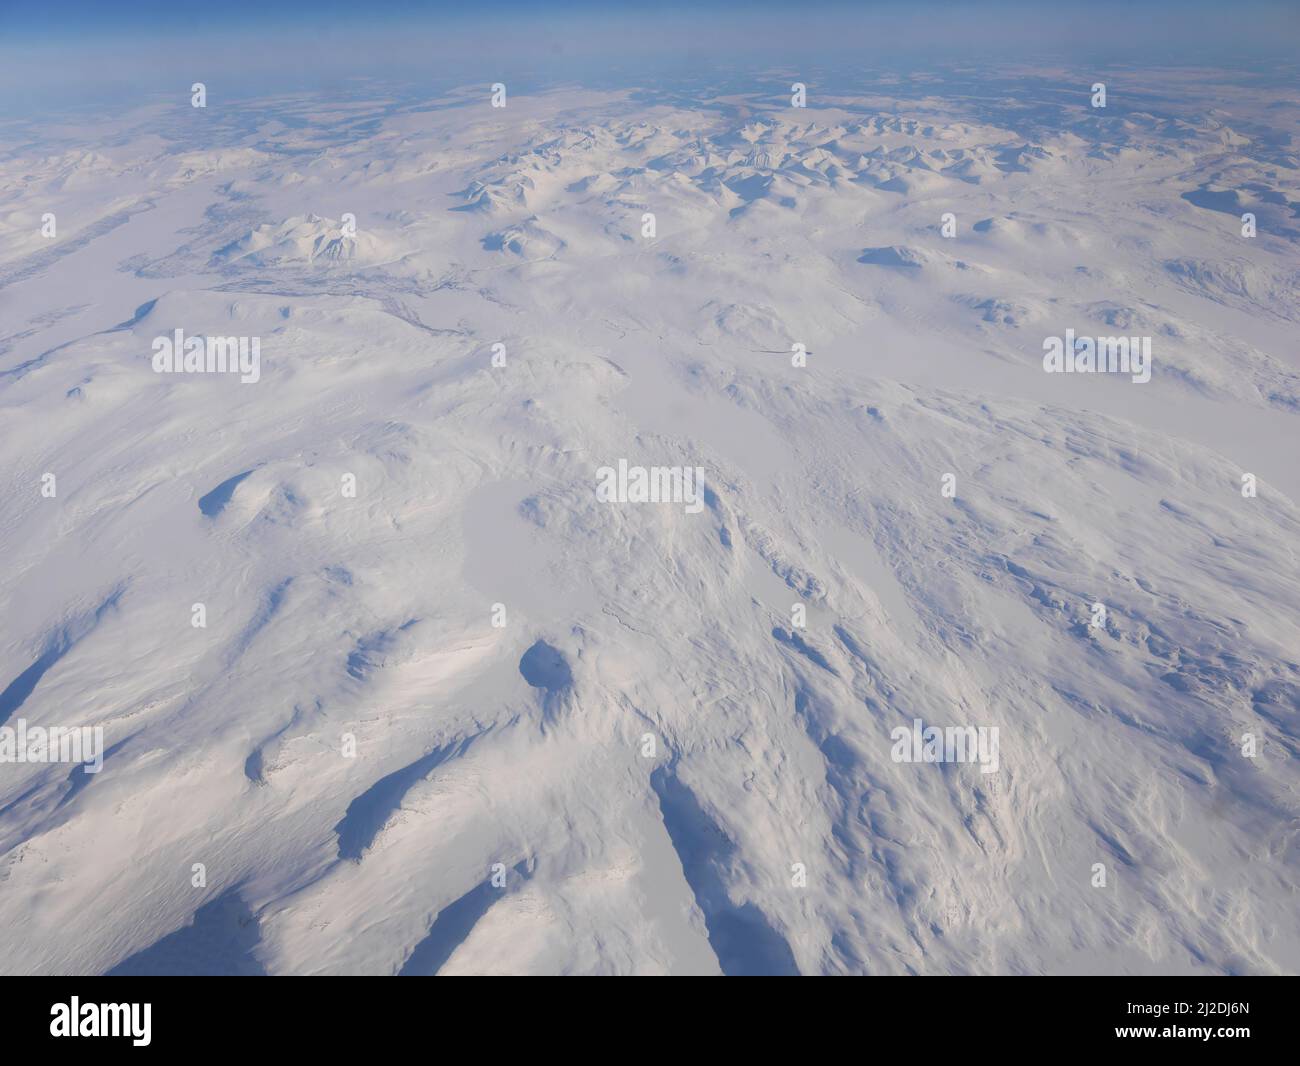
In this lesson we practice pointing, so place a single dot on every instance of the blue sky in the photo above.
(79, 48)
(1206, 22)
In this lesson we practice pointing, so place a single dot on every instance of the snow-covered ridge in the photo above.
(449, 710)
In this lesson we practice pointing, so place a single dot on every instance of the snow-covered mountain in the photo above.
(388, 684)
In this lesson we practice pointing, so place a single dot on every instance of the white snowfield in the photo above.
(451, 712)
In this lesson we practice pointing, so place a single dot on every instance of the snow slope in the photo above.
(630, 774)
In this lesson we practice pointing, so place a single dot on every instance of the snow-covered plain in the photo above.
(640, 769)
